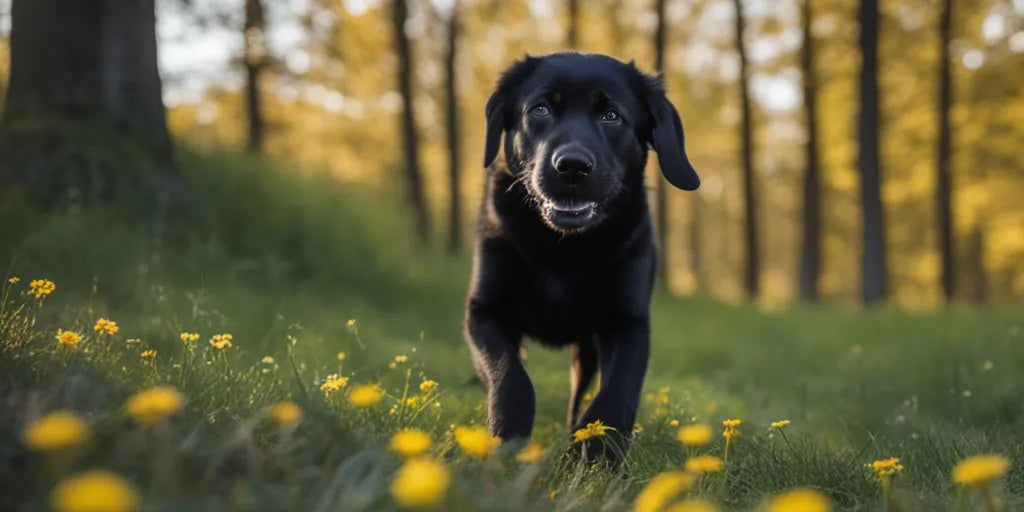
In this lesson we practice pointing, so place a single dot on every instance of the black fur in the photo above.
(565, 252)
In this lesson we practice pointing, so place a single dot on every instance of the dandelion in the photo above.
(693, 505)
(531, 453)
(420, 483)
(95, 491)
(410, 442)
(351, 323)
(221, 341)
(704, 464)
(41, 288)
(364, 396)
(286, 414)
(885, 467)
(637, 428)
(673, 423)
(781, 424)
(800, 500)
(661, 489)
(56, 431)
(14, 280)
(476, 441)
(106, 326)
(412, 402)
(731, 432)
(980, 470)
(401, 358)
(595, 429)
(68, 338)
(428, 385)
(333, 382)
(152, 405)
(189, 337)
(341, 356)
(148, 354)
(694, 435)
(267, 360)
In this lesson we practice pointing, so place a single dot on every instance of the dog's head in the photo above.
(577, 129)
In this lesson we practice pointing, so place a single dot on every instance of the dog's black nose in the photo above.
(572, 163)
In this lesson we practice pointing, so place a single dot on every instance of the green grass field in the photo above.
(282, 262)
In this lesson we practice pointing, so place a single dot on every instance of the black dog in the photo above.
(564, 251)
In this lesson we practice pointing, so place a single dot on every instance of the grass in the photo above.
(283, 261)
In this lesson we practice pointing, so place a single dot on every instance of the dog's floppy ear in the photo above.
(667, 138)
(497, 106)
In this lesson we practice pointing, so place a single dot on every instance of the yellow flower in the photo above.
(780, 424)
(14, 280)
(637, 428)
(148, 354)
(105, 326)
(351, 323)
(731, 431)
(341, 356)
(401, 359)
(333, 383)
(979, 470)
(428, 385)
(152, 405)
(95, 491)
(704, 464)
(800, 500)
(68, 338)
(221, 341)
(661, 489)
(286, 414)
(885, 467)
(412, 401)
(56, 431)
(595, 429)
(267, 360)
(366, 395)
(41, 288)
(733, 423)
(673, 423)
(420, 483)
(410, 442)
(693, 505)
(476, 441)
(189, 337)
(694, 435)
(531, 453)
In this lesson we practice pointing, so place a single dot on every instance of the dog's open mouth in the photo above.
(570, 215)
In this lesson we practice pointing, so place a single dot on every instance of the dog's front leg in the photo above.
(510, 396)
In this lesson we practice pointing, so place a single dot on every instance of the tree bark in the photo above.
(661, 200)
(943, 160)
(752, 265)
(810, 250)
(452, 128)
(873, 264)
(572, 37)
(410, 141)
(255, 60)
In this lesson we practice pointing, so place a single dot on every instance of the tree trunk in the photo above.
(572, 37)
(810, 250)
(752, 265)
(410, 141)
(661, 201)
(873, 268)
(943, 160)
(255, 59)
(78, 67)
(452, 126)
(696, 246)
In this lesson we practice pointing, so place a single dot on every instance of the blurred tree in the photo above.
(75, 66)
(943, 160)
(410, 139)
(873, 269)
(452, 128)
(810, 248)
(572, 36)
(661, 200)
(255, 59)
(752, 264)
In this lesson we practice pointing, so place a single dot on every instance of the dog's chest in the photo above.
(558, 310)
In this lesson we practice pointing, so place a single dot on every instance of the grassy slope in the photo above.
(280, 256)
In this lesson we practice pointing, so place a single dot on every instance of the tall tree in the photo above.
(943, 160)
(410, 140)
(452, 128)
(873, 266)
(661, 202)
(752, 265)
(255, 60)
(573, 35)
(810, 248)
(66, 72)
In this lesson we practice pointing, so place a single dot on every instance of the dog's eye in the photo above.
(540, 111)
(611, 116)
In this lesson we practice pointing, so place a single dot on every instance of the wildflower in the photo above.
(885, 467)
(800, 500)
(476, 441)
(333, 383)
(595, 429)
(780, 424)
(133, 341)
(152, 405)
(221, 341)
(401, 358)
(694, 435)
(189, 337)
(704, 464)
(105, 326)
(693, 505)
(95, 491)
(148, 354)
(661, 489)
(673, 423)
(420, 483)
(412, 401)
(366, 395)
(637, 428)
(980, 470)
(68, 338)
(41, 288)
(341, 356)
(56, 431)
(428, 385)
(267, 360)
(14, 280)
(410, 442)
(351, 323)
(286, 414)
(531, 453)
